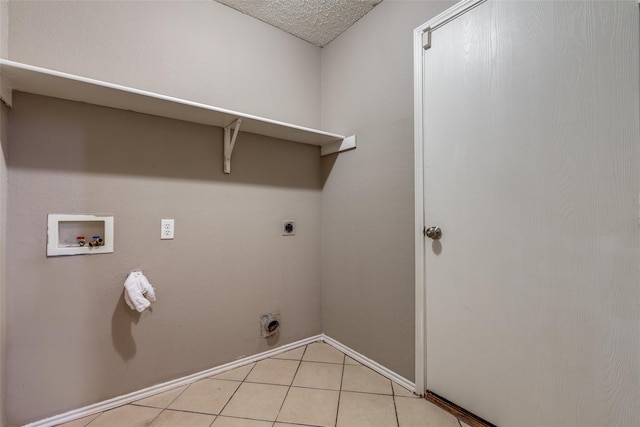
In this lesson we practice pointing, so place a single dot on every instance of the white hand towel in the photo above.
(136, 287)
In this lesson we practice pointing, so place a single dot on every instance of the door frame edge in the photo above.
(420, 302)
(418, 99)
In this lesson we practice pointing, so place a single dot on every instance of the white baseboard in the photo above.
(370, 363)
(160, 388)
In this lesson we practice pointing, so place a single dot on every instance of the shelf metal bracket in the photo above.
(230, 142)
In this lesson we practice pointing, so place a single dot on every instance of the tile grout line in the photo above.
(395, 406)
(291, 384)
(317, 361)
(94, 419)
(299, 361)
(306, 387)
(344, 360)
(344, 363)
(87, 424)
(162, 410)
(234, 392)
(185, 411)
(156, 417)
(167, 407)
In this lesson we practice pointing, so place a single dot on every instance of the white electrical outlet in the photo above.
(166, 229)
(288, 227)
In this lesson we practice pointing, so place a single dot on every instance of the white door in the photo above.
(531, 139)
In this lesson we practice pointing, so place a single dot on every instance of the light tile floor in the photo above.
(314, 385)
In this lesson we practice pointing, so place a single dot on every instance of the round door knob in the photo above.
(434, 233)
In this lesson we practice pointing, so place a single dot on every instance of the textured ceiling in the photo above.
(316, 21)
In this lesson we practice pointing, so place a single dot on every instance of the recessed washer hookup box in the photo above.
(79, 234)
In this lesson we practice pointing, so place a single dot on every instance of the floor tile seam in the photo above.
(368, 392)
(122, 406)
(314, 388)
(293, 384)
(340, 392)
(231, 397)
(393, 390)
(306, 347)
(235, 391)
(104, 412)
(229, 379)
(266, 383)
(190, 411)
(225, 379)
(409, 397)
(395, 407)
(249, 373)
(289, 388)
(370, 369)
(283, 384)
(247, 418)
(179, 394)
(143, 406)
(85, 425)
(170, 403)
(156, 417)
(296, 424)
(99, 415)
(323, 362)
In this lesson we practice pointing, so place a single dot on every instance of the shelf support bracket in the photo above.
(349, 143)
(230, 142)
(5, 92)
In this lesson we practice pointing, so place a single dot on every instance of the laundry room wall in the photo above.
(4, 49)
(68, 327)
(368, 230)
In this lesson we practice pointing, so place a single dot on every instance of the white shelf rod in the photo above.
(230, 142)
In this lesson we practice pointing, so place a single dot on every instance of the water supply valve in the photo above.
(97, 241)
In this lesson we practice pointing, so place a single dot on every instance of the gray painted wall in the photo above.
(197, 50)
(78, 158)
(69, 328)
(4, 52)
(367, 200)
(4, 143)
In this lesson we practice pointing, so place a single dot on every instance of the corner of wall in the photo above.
(3, 230)
(365, 262)
(4, 53)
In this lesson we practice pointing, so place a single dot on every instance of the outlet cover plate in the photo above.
(166, 229)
